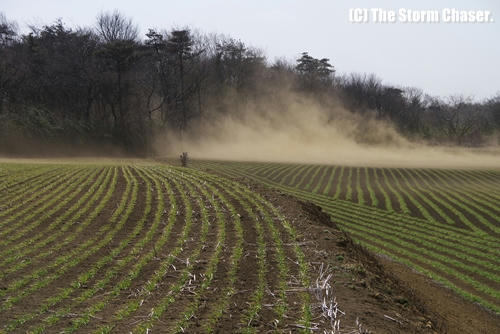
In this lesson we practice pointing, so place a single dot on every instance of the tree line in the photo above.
(107, 85)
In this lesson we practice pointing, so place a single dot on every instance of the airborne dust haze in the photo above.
(289, 127)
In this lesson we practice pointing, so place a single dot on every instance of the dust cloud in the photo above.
(292, 128)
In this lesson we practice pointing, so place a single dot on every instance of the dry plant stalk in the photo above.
(330, 310)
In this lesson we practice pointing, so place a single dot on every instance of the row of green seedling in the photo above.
(303, 265)
(128, 308)
(40, 197)
(110, 262)
(430, 273)
(84, 277)
(31, 245)
(222, 304)
(65, 194)
(280, 306)
(419, 242)
(407, 249)
(42, 277)
(18, 195)
(184, 275)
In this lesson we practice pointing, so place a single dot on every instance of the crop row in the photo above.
(124, 248)
(453, 239)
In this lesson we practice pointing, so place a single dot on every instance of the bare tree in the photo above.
(8, 30)
(103, 84)
(460, 120)
(361, 91)
(118, 53)
(411, 115)
(112, 27)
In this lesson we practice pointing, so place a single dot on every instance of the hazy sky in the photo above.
(441, 58)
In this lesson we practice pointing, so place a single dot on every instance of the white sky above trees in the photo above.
(441, 59)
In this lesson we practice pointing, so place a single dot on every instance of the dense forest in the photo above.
(108, 87)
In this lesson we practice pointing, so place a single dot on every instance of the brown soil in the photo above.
(170, 278)
(53, 288)
(289, 174)
(375, 289)
(455, 314)
(343, 183)
(316, 178)
(364, 186)
(10, 187)
(389, 282)
(41, 228)
(324, 183)
(247, 279)
(371, 291)
(363, 289)
(304, 179)
(372, 176)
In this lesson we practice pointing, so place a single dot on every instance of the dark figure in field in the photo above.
(184, 159)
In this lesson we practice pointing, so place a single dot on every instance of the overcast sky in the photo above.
(440, 58)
